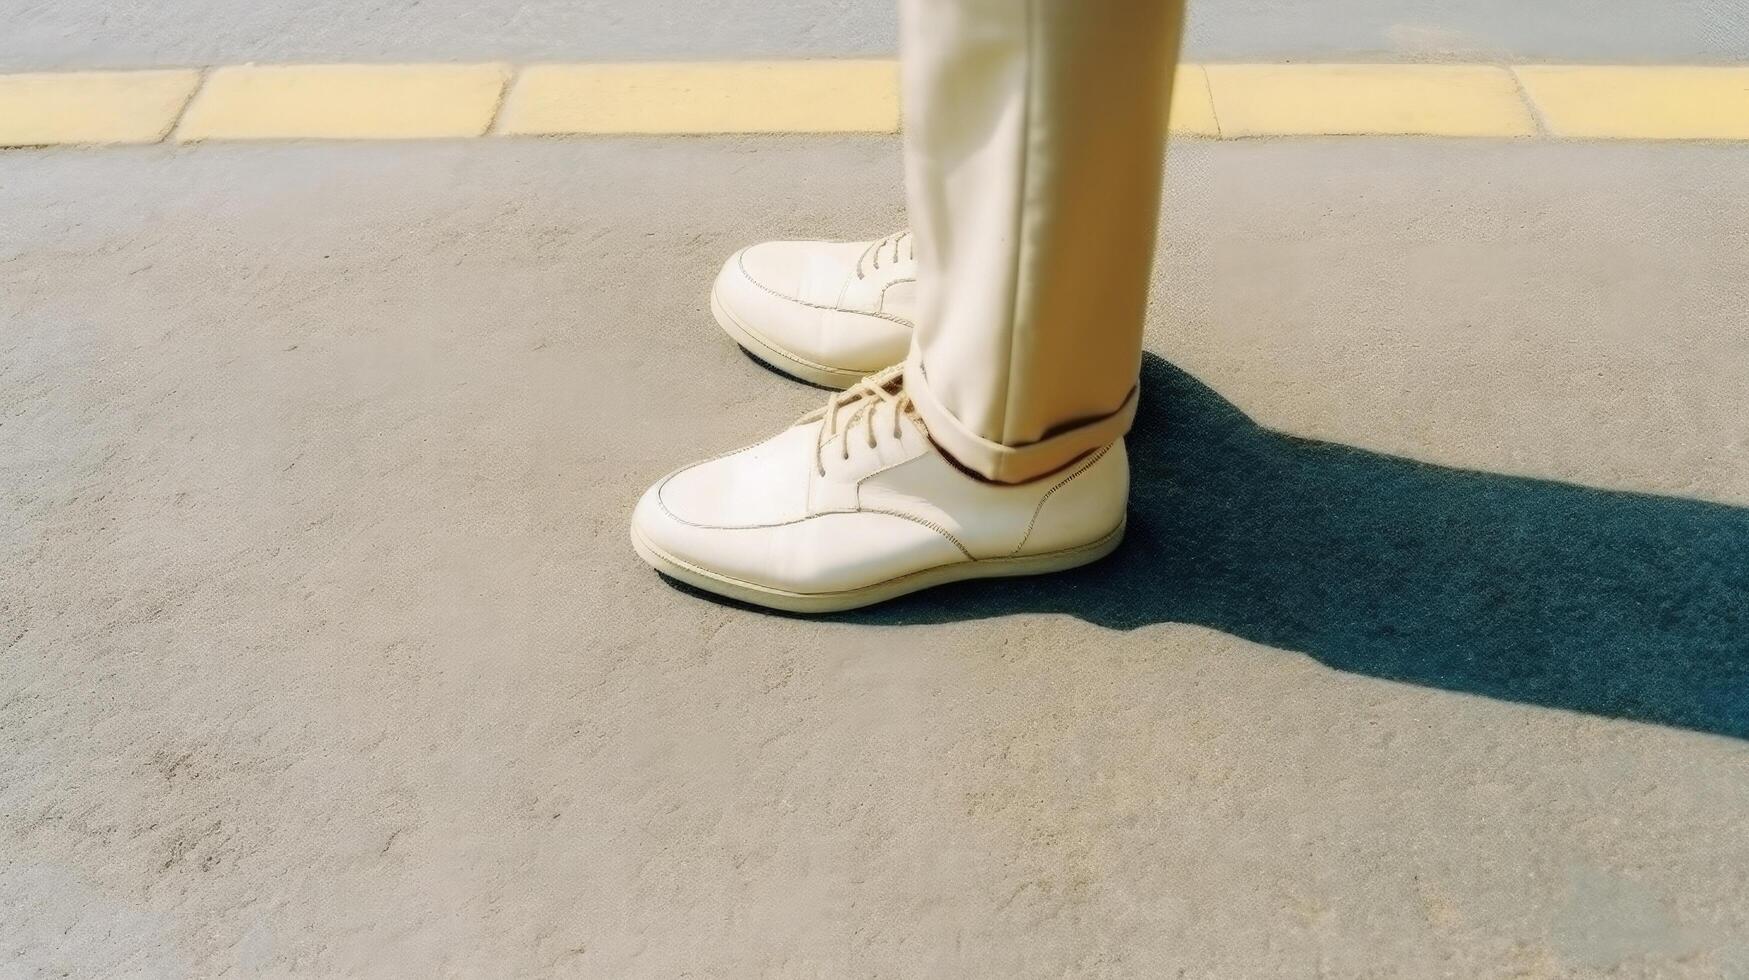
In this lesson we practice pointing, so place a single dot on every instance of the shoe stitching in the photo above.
(744, 583)
(944, 532)
(1042, 500)
(890, 285)
(923, 522)
(1089, 546)
(931, 525)
(663, 504)
(921, 451)
(779, 349)
(1037, 510)
(742, 264)
(662, 484)
(808, 517)
(860, 509)
(937, 528)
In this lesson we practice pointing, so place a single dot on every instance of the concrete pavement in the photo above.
(327, 655)
(57, 34)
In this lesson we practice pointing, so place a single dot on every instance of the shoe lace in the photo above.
(893, 243)
(862, 400)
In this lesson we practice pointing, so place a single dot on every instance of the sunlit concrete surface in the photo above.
(326, 653)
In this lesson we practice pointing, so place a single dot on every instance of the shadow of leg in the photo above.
(1617, 604)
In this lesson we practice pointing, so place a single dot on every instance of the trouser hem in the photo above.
(1011, 464)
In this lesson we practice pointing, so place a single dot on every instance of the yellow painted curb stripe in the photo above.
(1587, 102)
(1352, 100)
(748, 97)
(1193, 108)
(92, 107)
(850, 96)
(344, 102)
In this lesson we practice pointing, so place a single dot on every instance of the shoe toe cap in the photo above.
(745, 517)
(667, 538)
(818, 555)
(776, 268)
(693, 511)
(786, 297)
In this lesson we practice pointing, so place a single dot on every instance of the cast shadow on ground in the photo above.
(1617, 604)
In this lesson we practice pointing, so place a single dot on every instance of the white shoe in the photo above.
(830, 313)
(855, 505)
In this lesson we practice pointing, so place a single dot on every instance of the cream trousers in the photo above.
(1034, 134)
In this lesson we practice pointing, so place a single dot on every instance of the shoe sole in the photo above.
(868, 595)
(778, 358)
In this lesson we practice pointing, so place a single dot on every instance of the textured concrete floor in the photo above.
(134, 33)
(326, 654)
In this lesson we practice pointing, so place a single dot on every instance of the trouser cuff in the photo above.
(1011, 464)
